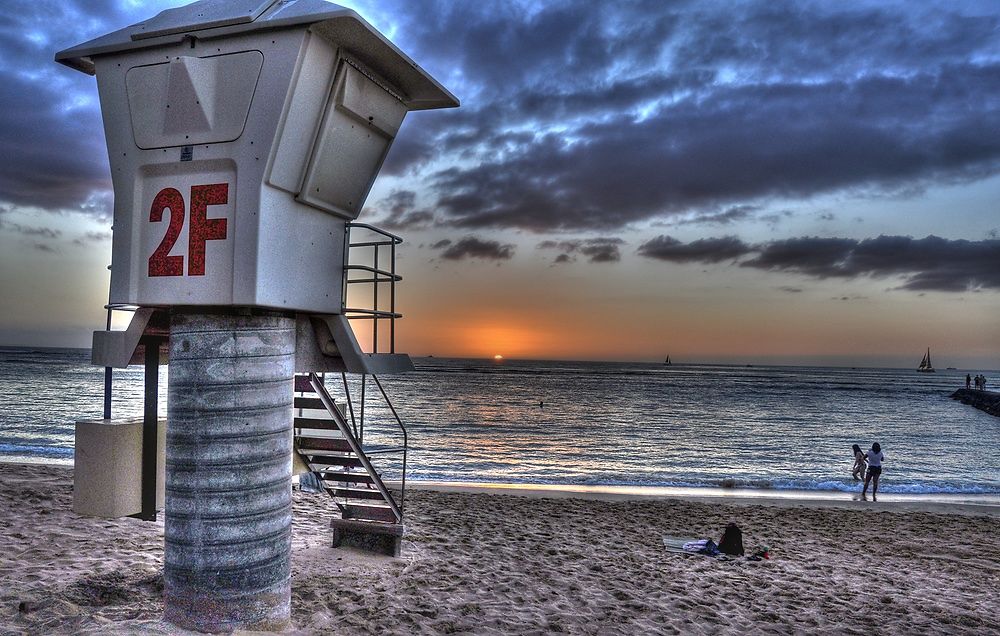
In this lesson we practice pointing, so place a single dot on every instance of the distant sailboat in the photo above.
(667, 361)
(925, 364)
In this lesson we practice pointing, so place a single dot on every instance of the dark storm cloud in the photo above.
(473, 247)
(399, 213)
(928, 264)
(931, 263)
(584, 116)
(622, 112)
(24, 230)
(51, 136)
(596, 250)
(710, 250)
(725, 217)
(740, 143)
(89, 238)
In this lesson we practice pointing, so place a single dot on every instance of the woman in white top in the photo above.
(875, 458)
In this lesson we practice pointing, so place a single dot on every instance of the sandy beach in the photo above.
(523, 563)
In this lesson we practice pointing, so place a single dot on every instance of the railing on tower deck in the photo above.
(376, 275)
(374, 264)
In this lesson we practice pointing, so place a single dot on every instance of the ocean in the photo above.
(597, 423)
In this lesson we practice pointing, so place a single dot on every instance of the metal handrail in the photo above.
(369, 313)
(389, 235)
(406, 441)
(388, 275)
(355, 445)
(379, 276)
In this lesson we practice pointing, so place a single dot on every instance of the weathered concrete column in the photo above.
(228, 474)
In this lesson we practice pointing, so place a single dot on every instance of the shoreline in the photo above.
(943, 502)
(940, 503)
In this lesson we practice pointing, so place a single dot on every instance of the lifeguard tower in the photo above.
(244, 137)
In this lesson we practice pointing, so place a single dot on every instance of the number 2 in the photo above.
(160, 263)
(201, 230)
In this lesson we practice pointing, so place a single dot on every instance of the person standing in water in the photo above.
(875, 459)
(859, 464)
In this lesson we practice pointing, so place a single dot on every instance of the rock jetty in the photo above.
(982, 400)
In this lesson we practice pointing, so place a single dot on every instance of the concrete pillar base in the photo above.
(227, 556)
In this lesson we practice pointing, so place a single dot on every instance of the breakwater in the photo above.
(982, 400)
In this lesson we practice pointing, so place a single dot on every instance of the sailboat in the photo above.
(667, 362)
(925, 364)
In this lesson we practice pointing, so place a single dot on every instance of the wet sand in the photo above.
(486, 561)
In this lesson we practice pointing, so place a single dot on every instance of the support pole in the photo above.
(107, 378)
(227, 559)
(150, 422)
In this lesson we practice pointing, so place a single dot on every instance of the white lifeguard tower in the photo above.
(244, 137)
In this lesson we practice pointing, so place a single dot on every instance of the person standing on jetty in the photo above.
(968, 380)
(875, 458)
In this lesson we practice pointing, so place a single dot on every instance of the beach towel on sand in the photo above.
(706, 547)
(689, 545)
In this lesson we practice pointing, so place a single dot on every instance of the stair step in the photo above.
(333, 460)
(355, 493)
(347, 478)
(309, 444)
(321, 423)
(369, 512)
(308, 403)
(393, 529)
(303, 385)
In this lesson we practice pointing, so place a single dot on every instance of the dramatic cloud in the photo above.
(399, 212)
(51, 137)
(624, 112)
(594, 116)
(711, 250)
(90, 238)
(473, 247)
(725, 217)
(596, 250)
(927, 264)
(41, 232)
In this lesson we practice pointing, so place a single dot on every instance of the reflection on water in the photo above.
(779, 428)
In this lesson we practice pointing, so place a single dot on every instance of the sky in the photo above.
(746, 182)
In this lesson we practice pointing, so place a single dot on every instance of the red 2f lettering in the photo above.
(201, 230)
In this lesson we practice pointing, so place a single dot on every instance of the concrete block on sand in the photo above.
(107, 480)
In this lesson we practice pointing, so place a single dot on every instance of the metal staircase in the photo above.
(330, 437)
(331, 448)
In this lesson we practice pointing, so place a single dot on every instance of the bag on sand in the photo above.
(732, 540)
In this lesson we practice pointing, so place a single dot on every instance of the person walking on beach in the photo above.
(860, 465)
(875, 458)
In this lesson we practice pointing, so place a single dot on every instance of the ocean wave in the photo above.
(736, 484)
(35, 450)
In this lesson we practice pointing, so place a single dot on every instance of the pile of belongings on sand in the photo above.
(728, 547)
